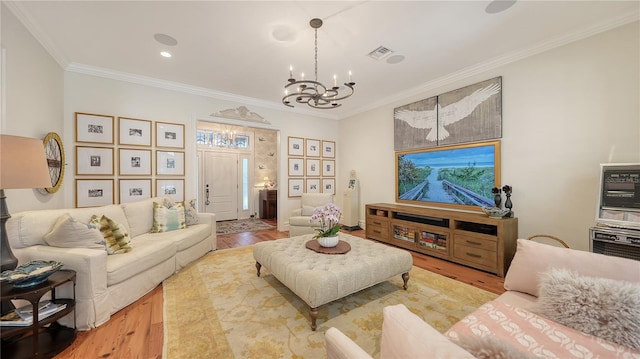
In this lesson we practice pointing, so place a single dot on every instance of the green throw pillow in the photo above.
(167, 219)
(116, 237)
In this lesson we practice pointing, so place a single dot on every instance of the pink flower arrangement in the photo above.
(328, 216)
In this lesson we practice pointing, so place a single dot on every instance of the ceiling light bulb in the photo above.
(165, 54)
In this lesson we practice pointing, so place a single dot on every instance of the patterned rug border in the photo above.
(253, 224)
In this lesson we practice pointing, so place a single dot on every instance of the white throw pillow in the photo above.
(605, 308)
(68, 232)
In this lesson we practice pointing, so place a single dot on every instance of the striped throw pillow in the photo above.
(115, 235)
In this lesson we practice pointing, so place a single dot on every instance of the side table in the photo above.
(44, 338)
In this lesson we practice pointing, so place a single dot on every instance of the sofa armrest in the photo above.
(339, 346)
(405, 335)
(208, 218)
(90, 266)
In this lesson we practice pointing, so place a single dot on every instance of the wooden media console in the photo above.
(471, 239)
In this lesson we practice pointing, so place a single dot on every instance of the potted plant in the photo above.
(328, 217)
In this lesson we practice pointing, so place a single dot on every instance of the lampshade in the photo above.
(23, 163)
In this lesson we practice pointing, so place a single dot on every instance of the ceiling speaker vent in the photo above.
(380, 53)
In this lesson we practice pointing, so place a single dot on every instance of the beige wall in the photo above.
(33, 93)
(565, 111)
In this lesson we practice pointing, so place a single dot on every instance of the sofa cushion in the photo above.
(116, 238)
(532, 259)
(303, 221)
(605, 308)
(308, 210)
(184, 238)
(149, 253)
(168, 217)
(140, 216)
(68, 232)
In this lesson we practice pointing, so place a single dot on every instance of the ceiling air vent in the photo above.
(380, 53)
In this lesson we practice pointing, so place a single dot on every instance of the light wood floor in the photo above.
(137, 332)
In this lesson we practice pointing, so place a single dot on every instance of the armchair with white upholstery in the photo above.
(300, 220)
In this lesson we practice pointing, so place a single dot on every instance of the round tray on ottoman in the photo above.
(341, 248)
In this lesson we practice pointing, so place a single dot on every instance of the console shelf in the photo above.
(471, 239)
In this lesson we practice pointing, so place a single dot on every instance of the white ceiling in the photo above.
(242, 50)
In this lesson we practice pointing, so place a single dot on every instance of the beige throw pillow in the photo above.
(68, 232)
(167, 219)
(115, 235)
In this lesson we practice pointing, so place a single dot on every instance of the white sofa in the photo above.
(300, 221)
(405, 335)
(108, 283)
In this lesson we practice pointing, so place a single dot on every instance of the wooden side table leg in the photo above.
(258, 266)
(313, 313)
(405, 278)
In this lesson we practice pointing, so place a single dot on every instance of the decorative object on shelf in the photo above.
(328, 216)
(23, 164)
(495, 212)
(30, 274)
(497, 196)
(54, 151)
(314, 93)
(507, 204)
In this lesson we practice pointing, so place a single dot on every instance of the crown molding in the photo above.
(496, 62)
(23, 16)
(184, 88)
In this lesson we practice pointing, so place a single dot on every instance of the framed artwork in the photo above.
(169, 135)
(312, 185)
(172, 188)
(296, 167)
(328, 168)
(296, 146)
(134, 162)
(312, 168)
(134, 132)
(94, 192)
(328, 149)
(312, 147)
(460, 176)
(170, 163)
(94, 128)
(296, 187)
(132, 190)
(329, 185)
(94, 161)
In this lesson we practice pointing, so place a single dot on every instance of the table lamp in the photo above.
(23, 164)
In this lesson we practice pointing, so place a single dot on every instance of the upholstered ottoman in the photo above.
(319, 278)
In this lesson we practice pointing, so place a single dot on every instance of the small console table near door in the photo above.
(268, 203)
(39, 340)
(471, 239)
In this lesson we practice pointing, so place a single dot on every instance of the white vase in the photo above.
(328, 241)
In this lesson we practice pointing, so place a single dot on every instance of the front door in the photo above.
(221, 181)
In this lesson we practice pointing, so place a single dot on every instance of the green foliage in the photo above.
(409, 175)
(477, 179)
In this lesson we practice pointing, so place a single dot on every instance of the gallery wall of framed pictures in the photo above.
(311, 166)
(127, 160)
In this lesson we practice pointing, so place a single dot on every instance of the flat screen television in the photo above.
(619, 195)
(460, 176)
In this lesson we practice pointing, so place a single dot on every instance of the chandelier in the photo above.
(314, 93)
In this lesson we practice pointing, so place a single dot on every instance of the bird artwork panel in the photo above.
(469, 114)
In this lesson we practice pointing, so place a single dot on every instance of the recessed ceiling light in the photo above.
(165, 54)
(165, 39)
(497, 6)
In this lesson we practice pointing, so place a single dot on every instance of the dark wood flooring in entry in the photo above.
(137, 332)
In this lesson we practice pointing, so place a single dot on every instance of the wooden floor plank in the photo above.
(137, 330)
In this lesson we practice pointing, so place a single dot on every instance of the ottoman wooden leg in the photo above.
(313, 313)
(405, 278)
(258, 266)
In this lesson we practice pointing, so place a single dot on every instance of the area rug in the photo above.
(241, 225)
(218, 308)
